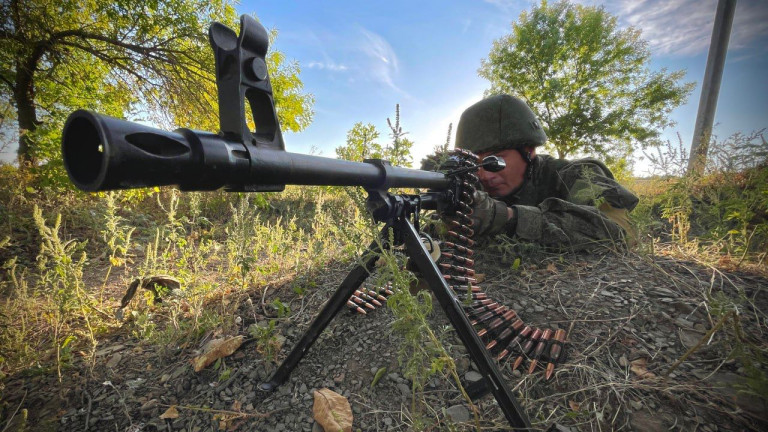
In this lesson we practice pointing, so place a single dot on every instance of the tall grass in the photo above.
(59, 287)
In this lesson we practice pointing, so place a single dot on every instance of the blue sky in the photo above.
(361, 58)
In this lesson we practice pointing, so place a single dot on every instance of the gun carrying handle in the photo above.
(241, 74)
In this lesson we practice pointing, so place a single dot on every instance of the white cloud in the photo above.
(327, 65)
(684, 27)
(384, 65)
(678, 27)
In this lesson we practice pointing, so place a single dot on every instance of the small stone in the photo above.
(623, 362)
(645, 422)
(690, 338)
(114, 360)
(149, 405)
(462, 364)
(472, 376)
(458, 413)
(387, 421)
(684, 323)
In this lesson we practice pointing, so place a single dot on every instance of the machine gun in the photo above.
(103, 153)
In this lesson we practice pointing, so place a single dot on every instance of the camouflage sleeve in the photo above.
(595, 210)
(590, 182)
(559, 223)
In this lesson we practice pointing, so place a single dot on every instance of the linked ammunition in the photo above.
(516, 325)
(463, 288)
(464, 208)
(527, 347)
(515, 343)
(362, 302)
(506, 317)
(555, 351)
(457, 269)
(489, 315)
(473, 296)
(475, 311)
(464, 228)
(466, 154)
(460, 279)
(367, 298)
(459, 248)
(378, 296)
(459, 259)
(465, 240)
(355, 307)
(539, 349)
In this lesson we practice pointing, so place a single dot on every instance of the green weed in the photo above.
(60, 267)
(267, 343)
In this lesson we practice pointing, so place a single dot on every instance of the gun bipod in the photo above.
(450, 304)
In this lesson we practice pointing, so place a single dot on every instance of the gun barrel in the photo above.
(104, 153)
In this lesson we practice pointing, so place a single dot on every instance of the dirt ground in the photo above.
(630, 318)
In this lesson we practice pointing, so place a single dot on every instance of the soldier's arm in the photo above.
(592, 208)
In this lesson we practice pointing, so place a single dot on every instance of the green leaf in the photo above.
(379, 374)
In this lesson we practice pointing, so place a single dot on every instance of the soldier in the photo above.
(554, 202)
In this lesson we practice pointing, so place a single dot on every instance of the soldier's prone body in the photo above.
(575, 204)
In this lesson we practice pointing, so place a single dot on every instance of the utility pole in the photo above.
(710, 87)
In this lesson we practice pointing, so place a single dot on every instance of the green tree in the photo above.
(122, 58)
(587, 80)
(361, 144)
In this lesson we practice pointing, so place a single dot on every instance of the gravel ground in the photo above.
(629, 319)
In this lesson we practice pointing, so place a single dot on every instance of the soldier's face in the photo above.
(506, 181)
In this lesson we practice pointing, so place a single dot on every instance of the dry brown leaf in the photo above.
(574, 405)
(552, 268)
(638, 366)
(216, 350)
(237, 405)
(170, 413)
(332, 411)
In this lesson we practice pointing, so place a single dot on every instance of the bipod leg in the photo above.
(452, 306)
(335, 304)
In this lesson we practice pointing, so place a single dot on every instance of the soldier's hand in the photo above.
(488, 215)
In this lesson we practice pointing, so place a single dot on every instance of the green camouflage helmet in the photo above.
(499, 122)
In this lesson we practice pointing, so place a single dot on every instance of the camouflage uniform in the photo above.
(574, 204)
